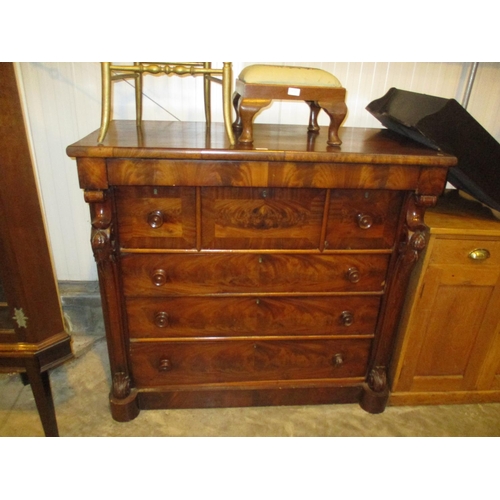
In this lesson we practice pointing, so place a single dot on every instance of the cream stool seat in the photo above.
(257, 85)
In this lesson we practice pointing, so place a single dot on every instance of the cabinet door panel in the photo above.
(458, 313)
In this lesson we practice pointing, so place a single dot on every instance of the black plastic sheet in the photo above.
(443, 124)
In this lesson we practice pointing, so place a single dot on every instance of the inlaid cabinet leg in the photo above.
(40, 385)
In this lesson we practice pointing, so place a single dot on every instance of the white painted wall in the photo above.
(62, 105)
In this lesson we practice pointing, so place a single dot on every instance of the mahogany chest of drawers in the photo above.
(237, 276)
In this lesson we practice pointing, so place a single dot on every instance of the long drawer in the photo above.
(171, 274)
(221, 316)
(206, 362)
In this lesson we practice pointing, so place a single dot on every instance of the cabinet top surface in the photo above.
(191, 140)
(454, 215)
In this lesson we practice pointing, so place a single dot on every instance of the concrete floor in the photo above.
(81, 386)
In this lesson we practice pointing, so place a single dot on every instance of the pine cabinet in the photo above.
(448, 346)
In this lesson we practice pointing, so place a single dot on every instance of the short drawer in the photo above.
(156, 217)
(207, 362)
(475, 252)
(261, 218)
(360, 219)
(243, 316)
(171, 274)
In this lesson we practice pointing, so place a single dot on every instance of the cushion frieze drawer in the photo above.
(250, 316)
(259, 218)
(207, 362)
(172, 274)
(156, 217)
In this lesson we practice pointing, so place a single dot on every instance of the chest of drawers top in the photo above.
(187, 154)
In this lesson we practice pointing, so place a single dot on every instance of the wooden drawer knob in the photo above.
(479, 254)
(159, 277)
(365, 221)
(347, 318)
(165, 365)
(156, 219)
(353, 274)
(338, 360)
(161, 319)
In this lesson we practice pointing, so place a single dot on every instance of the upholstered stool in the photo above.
(258, 84)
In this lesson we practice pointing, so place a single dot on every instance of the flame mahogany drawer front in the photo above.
(242, 315)
(156, 217)
(173, 274)
(362, 219)
(211, 362)
(271, 274)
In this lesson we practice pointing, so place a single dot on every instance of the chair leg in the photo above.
(313, 117)
(337, 112)
(138, 99)
(207, 94)
(248, 110)
(227, 79)
(105, 101)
